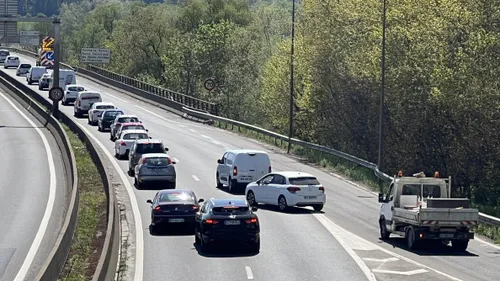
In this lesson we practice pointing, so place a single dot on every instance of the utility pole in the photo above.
(290, 129)
(380, 163)
(57, 59)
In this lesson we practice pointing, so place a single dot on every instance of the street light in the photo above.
(290, 129)
(380, 163)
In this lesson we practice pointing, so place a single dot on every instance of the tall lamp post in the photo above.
(380, 163)
(290, 129)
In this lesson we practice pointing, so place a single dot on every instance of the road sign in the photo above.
(48, 43)
(209, 84)
(95, 55)
(50, 55)
(47, 58)
(29, 37)
(56, 94)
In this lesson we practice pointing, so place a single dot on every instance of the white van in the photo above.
(66, 77)
(34, 74)
(84, 101)
(240, 167)
(3, 55)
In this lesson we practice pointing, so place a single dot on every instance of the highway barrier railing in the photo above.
(209, 115)
(163, 96)
(108, 260)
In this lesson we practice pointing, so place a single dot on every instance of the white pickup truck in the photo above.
(421, 209)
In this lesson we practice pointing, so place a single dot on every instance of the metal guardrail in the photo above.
(152, 89)
(484, 218)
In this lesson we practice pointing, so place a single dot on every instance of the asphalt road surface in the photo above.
(33, 188)
(342, 243)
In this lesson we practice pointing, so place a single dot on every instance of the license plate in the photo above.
(446, 235)
(231, 222)
(310, 197)
(176, 220)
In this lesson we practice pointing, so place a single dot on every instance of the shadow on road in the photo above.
(289, 210)
(225, 250)
(173, 230)
(432, 248)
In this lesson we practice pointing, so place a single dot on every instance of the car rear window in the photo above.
(128, 120)
(76, 89)
(158, 161)
(133, 127)
(304, 181)
(230, 210)
(104, 106)
(144, 148)
(90, 97)
(112, 114)
(135, 136)
(25, 65)
(4, 53)
(181, 197)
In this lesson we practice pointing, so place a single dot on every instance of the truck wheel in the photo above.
(384, 234)
(410, 238)
(459, 245)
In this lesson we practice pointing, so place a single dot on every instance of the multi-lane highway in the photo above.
(33, 192)
(340, 244)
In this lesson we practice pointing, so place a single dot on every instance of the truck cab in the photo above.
(420, 209)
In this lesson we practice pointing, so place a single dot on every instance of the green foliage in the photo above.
(442, 86)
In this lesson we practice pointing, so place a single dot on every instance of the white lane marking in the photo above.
(42, 229)
(182, 126)
(207, 137)
(139, 247)
(381, 260)
(196, 178)
(331, 228)
(120, 99)
(407, 273)
(341, 234)
(157, 115)
(486, 243)
(192, 130)
(249, 272)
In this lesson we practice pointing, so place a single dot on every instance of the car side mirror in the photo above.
(381, 198)
(218, 161)
(254, 209)
(201, 200)
(149, 201)
(147, 130)
(257, 182)
(150, 137)
(166, 148)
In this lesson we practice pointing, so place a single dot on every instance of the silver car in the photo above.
(140, 147)
(155, 167)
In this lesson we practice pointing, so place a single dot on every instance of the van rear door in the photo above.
(252, 166)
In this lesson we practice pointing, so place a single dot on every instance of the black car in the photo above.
(173, 207)
(228, 220)
(108, 116)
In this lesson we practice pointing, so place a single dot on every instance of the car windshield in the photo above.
(112, 114)
(76, 89)
(181, 197)
(128, 120)
(144, 148)
(133, 127)
(304, 181)
(135, 136)
(158, 161)
(230, 210)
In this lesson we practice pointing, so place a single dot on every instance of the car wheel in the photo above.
(384, 234)
(204, 247)
(219, 184)
(137, 183)
(197, 240)
(251, 198)
(99, 128)
(153, 229)
(233, 185)
(255, 248)
(318, 207)
(130, 172)
(282, 205)
(88, 121)
(172, 185)
(117, 155)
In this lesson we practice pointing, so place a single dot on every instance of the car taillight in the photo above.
(235, 171)
(195, 208)
(144, 160)
(254, 220)
(270, 170)
(293, 189)
(211, 221)
(123, 143)
(322, 189)
(158, 208)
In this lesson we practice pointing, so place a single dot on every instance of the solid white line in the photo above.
(157, 115)
(328, 224)
(486, 243)
(381, 260)
(139, 247)
(407, 273)
(196, 178)
(249, 272)
(116, 97)
(26, 266)
(192, 130)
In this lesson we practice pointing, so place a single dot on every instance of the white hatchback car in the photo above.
(126, 140)
(71, 92)
(11, 61)
(287, 189)
(97, 109)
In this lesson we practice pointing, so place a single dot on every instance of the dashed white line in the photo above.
(196, 178)
(407, 273)
(192, 130)
(182, 126)
(157, 115)
(207, 137)
(120, 99)
(35, 246)
(249, 272)
(381, 260)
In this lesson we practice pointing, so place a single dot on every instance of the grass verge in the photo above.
(91, 228)
(340, 166)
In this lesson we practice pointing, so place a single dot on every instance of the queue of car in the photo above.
(223, 219)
